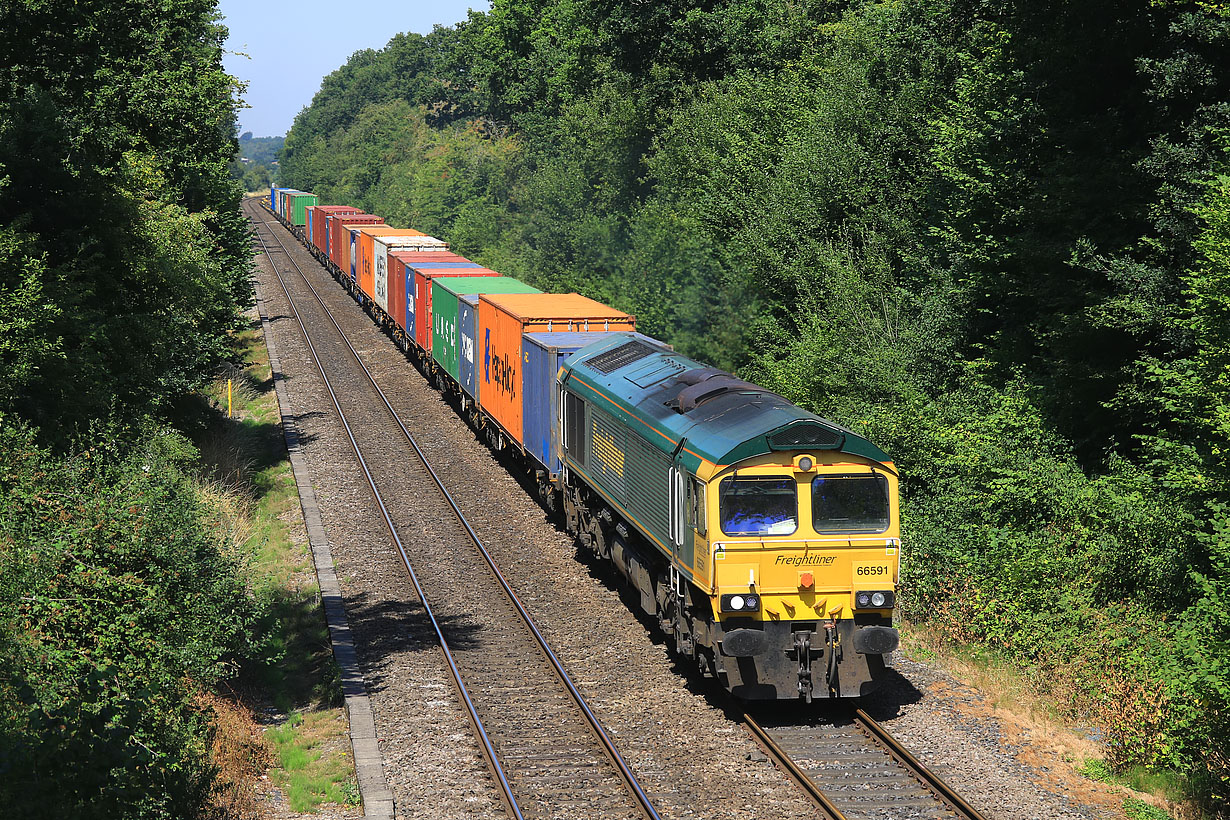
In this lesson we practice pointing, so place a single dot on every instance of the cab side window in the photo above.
(696, 505)
(574, 427)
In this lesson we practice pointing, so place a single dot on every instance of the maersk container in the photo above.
(423, 278)
(446, 314)
(504, 318)
(541, 357)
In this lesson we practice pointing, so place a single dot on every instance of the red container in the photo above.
(318, 220)
(400, 280)
(422, 297)
(418, 257)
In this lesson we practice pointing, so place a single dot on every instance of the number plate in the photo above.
(872, 574)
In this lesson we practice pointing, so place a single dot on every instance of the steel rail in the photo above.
(784, 762)
(599, 732)
(493, 763)
(925, 776)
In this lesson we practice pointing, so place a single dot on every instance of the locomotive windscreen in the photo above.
(849, 503)
(759, 505)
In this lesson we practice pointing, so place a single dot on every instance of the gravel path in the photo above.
(671, 726)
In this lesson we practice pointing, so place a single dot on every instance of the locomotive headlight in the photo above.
(874, 599)
(740, 603)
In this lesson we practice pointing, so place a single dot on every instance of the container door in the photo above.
(381, 252)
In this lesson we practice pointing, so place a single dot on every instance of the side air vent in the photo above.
(807, 435)
(617, 357)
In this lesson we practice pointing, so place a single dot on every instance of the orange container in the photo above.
(503, 318)
(339, 242)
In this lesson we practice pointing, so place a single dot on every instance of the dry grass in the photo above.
(242, 755)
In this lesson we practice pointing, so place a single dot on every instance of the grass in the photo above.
(1162, 784)
(308, 773)
(1032, 704)
(248, 479)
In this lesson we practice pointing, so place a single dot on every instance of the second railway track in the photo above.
(855, 770)
(547, 747)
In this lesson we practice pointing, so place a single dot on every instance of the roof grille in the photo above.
(807, 434)
(615, 358)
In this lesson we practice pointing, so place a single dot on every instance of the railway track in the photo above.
(855, 770)
(548, 754)
(850, 768)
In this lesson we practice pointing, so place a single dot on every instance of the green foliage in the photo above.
(117, 603)
(124, 262)
(123, 255)
(993, 236)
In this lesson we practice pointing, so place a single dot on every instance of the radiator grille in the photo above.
(615, 358)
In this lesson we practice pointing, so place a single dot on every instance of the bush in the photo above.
(117, 604)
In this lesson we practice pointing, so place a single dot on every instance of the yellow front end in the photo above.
(804, 554)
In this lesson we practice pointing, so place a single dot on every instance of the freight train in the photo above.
(762, 539)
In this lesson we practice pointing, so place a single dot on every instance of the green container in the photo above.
(298, 207)
(445, 332)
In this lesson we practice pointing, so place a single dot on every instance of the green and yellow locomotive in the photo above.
(765, 539)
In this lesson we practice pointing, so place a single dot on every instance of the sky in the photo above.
(291, 46)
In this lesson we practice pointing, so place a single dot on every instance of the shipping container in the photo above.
(364, 250)
(339, 240)
(279, 195)
(440, 256)
(317, 223)
(421, 296)
(467, 344)
(542, 355)
(382, 246)
(446, 314)
(504, 318)
(284, 198)
(299, 208)
(400, 280)
(332, 221)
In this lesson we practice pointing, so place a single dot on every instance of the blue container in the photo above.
(542, 355)
(273, 197)
(411, 307)
(467, 342)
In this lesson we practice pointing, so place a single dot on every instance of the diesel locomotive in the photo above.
(763, 539)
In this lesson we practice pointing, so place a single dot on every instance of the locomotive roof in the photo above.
(724, 419)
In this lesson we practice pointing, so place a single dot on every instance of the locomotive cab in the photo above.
(805, 552)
